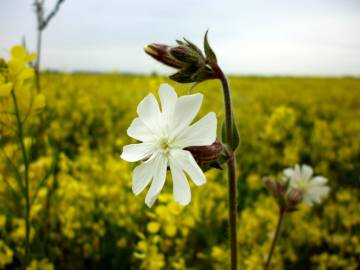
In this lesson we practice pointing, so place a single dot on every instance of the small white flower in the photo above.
(164, 135)
(313, 188)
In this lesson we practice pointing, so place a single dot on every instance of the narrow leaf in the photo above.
(210, 55)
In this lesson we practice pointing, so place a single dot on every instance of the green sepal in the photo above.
(235, 135)
(210, 55)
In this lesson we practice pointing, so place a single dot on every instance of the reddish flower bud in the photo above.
(187, 58)
(294, 197)
(162, 54)
(206, 154)
(271, 185)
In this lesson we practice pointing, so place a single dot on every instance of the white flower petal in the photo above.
(136, 152)
(308, 199)
(159, 169)
(186, 161)
(149, 113)
(181, 188)
(168, 99)
(203, 132)
(186, 108)
(142, 175)
(320, 191)
(306, 172)
(139, 131)
(318, 181)
(289, 172)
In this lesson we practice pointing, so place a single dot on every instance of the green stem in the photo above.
(38, 56)
(231, 163)
(26, 188)
(276, 236)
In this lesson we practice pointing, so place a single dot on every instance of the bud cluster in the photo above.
(188, 59)
(288, 198)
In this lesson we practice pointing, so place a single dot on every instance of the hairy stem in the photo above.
(20, 133)
(231, 163)
(276, 236)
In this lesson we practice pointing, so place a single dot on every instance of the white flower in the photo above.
(313, 188)
(164, 135)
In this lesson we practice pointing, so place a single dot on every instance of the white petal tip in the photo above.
(201, 182)
(124, 157)
(183, 203)
(136, 192)
(150, 201)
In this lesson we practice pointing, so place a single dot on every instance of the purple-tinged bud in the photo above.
(281, 187)
(188, 59)
(271, 185)
(294, 197)
(206, 154)
(188, 55)
(162, 54)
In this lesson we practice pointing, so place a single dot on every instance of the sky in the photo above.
(258, 37)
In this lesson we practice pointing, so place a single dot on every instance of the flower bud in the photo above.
(278, 188)
(281, 187)
(208, 154)
(271, 185)
(162, 54)
(187, 58)
(294, 197)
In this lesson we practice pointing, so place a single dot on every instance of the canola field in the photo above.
(85, 216)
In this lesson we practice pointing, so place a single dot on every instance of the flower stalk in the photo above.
(42, 23)
(282, 213)
(296, 187)
(231, 163)
(26, 192)
(194, 66)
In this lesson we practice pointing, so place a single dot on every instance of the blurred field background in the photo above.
(302, 105)
(86, 217)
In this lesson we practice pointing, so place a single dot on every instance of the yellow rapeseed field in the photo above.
(85, 216)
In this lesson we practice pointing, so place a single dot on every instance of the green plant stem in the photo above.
(231, 163)
(282, 213)
(37, 63)
(26, 173)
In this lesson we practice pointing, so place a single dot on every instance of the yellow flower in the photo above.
(153, 227)
(19, 52)
(39, 102)
(170, 230)
(2, 221)
(6, 254)
(5, 87)
(43, 264)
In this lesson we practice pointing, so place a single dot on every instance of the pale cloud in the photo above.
(251, 37)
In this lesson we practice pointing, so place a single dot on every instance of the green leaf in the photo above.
(210, 55)
(194, 48)
(235, 135)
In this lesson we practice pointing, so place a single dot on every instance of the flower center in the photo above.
(302, 185)
(164, 145)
